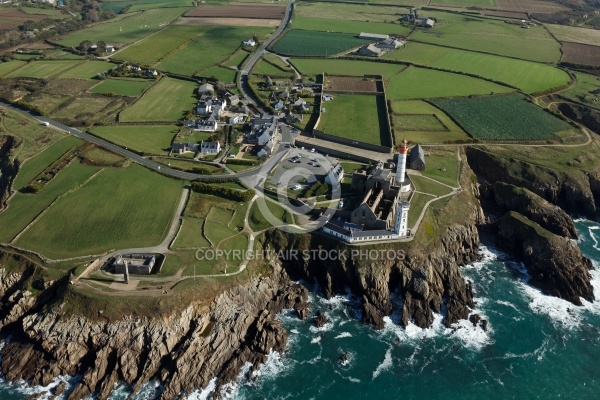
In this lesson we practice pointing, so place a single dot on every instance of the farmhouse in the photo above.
(414, 18)
(370, 50)
(417, 158)
(181, 148)
(134, 263)
(110, 49)
(373, 36)
(389, 44)
(210, 147)
(249, 43)
(425, 22)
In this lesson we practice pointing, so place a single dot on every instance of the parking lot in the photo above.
(299, 170)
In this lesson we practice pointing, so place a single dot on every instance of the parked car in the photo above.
(297, 187)
(45, 123)
(312, 150)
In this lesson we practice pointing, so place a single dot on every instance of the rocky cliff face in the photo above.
(425, 281)
(184, 350)
(555, 263)
(8, 168)
(557, 188)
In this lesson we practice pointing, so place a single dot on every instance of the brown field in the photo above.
(578, 53)
(531, 6)
(345, 84)
(239, 10)
(228, 21)
(506, 14)
(10, 19)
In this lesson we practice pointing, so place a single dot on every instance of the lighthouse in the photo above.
(401, 167)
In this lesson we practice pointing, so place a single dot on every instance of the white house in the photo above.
(249, 43)
(210, 147)
(206, 126)
(237, 119)
(110, 49)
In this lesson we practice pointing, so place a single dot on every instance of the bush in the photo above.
(32, 188)
(227, 193)
(241, 161)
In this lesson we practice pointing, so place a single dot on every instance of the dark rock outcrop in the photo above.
(321, 319)
(571, 195)
(548, 216)
(8, 168)
(555, 263)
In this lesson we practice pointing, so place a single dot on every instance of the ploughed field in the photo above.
(578, 53)
(239, 10)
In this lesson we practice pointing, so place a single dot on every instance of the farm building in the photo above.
(181, 148)
(417, 158)
(373, 36)
(425, 22)
(389, 44)
(134, 263)
(110, 49)
(210, 147)
(370, 51)
(249, 43)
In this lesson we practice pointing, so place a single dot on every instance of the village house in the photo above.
(301, 106)
(209, 125)
(292, 118)
(181, 148)
(278, 106)
(261, 127)
(237, 119)
(210, 147)
(249, 43)
(265, 150)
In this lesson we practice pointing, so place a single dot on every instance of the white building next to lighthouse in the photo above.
(382, 214)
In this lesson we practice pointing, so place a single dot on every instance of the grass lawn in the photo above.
(119, 208)
(225, 75)
(526, 75)
(581, 91)
(575, 34)
(190, 235)
(257, 220)
(513, 118)
(87, 70)
(442, 165)
(237, 59)
(428, 186)
(213, 45)
(34, 166)
(23, 208)
(351, 27)
(7, 67)
(309, 66)
(416, 207)
(125, 30)
(357, 117)
(297, 42)
(413, 108)
(490, 36)
(87, 108)
(162, 44)
(421, 83)
(201, 205)
(264, 68)
(150, 139)
(122, 87)
(188, 165)
(216, 231)
(41, 69)
(167, 100)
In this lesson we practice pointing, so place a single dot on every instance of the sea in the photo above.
(535, 347)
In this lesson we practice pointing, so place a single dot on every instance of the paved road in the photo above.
(131, 155)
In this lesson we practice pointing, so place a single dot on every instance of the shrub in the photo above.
(225, 192)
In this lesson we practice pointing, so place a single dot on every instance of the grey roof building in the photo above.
(417, 158)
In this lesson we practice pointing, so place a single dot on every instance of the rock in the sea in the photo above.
(321, 319)
(555, 263)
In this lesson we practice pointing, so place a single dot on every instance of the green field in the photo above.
(257, 221)
(190, 235)
(10, 66)
(264, 68)
(212, 45)
(526, 75)
(36, 165)
(489, 3)
(89, 108)
(41, 69)
(150, 139)
(348, 12)
(87, 70)
(402, 109)
(162, 44)
(442, 165)
(225, 75)
(351, 27)
(118, 208)
(419, 123)
(167, 100)
(309, 66)
(490, 36)
(23, 208)
(125, 30)
(236, 59)
(425, 185)
(506, 117)
(575, 34)
(421, 83)
(356, 117)
(315, 43)
(122, 87)
(582, 90)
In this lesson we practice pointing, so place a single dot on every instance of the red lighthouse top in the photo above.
(403, 148)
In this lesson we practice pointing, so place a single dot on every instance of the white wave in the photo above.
(472, 337)
(272, 368)
(326, 327)
(294, 331)
(316, 339)
(343, 335)
(561, 312)
(386, 364)
(508, 304)
(41, 392)
(204, 393)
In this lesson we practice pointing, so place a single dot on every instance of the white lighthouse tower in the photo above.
(401, 225)
(401, 167)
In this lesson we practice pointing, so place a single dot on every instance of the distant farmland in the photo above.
(315, 43)
(239, 10)
(577, 53)
(506, 117)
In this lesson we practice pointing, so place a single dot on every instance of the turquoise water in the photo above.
(536, 347)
